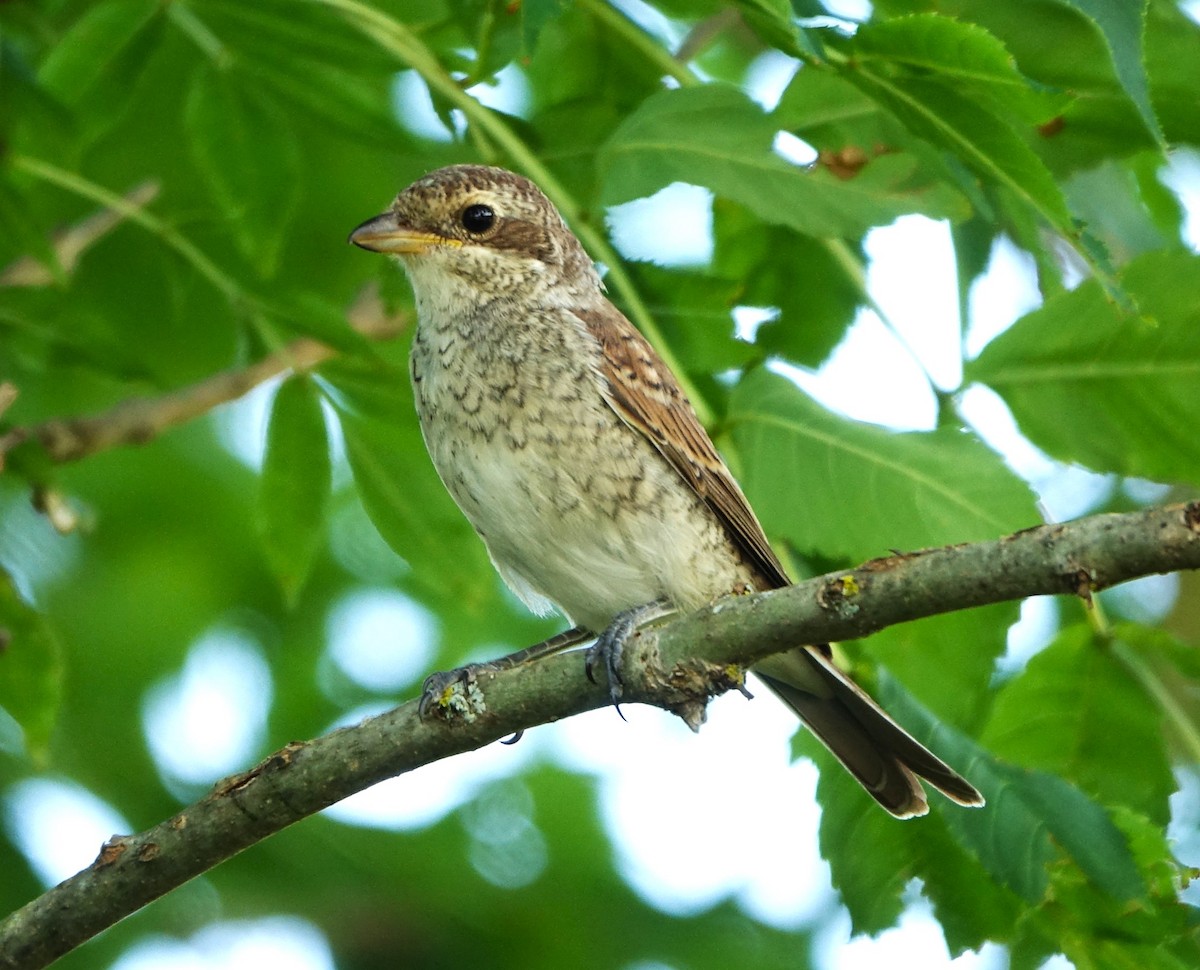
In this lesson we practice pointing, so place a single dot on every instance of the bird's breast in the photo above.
(574, 505)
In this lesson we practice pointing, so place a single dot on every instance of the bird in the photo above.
(577, 457)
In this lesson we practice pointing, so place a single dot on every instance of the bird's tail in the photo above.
(884, 758)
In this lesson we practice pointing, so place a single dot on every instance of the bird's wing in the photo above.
(646, 396)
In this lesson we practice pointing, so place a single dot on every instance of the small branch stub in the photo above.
(683, 688)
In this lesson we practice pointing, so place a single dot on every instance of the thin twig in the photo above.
(705, 32)
(72, 242)
(138, 420)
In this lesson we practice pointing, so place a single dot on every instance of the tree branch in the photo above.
(675, 666)
(138, 420)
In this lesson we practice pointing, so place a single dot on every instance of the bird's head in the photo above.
(482, 229)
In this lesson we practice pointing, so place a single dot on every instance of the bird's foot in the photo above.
(609, 649)
(439, 690)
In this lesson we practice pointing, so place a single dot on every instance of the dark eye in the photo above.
(478, 218)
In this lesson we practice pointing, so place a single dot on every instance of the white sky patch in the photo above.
(1068, 491)
(916, 942)
(911, 276)
(1182, 176)
(59, 826)
(1145, 600)
(1146, 492)
(1183, 832)
(414, 109)
(673, 227)
(283, 942)
(653, 22)
(242, 424)
(508, 91)
(1064, 491)
(853, 10)
(793, 149)
(985, 411)
(870, 376)
(32, 552)
(424, 796)
(1029, 635)
(381, 639)
(210, 718)
(747, 320)
(880, 374)
(1007, 289)
(768, 76)
(737, 767)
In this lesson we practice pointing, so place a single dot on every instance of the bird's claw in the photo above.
(606, 653)
(609, 650)
(439, 688)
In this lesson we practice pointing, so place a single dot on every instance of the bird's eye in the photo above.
(478, 218)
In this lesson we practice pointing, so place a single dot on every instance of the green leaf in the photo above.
(961, 647)
(31, 668)
(1057, 45)
(960, 55)
(293, 498)
(1122, 22)
(308, 313)
(850, 129)
(971, 906)
(399, 488)
(1076, 711)
(249, 159)
(314, 61)
(1164, 209)
(984, 142)
(535, 16)
(95, 46)
(1169, 672)
(870, 862)
(851, 491)
(1116, 393)
(773, 21)
(973, 242)
(354, 105)
(32, 120)
(827, 109)
(1156, 932)
(717, 137)
(19, 230)
(695, 311)
(1042, 808)
(951, 115)
(1030, 816)
(873, 859)
(1109, 199)
(811, 282)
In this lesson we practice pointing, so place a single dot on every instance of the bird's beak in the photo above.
(385, 234)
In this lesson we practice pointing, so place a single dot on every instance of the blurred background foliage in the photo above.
(177, 179)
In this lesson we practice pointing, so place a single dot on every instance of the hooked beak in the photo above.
(385, 234)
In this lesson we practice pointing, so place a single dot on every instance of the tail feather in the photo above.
(884, 758)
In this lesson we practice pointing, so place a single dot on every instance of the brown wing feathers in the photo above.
(876, 750)
(646, 396)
